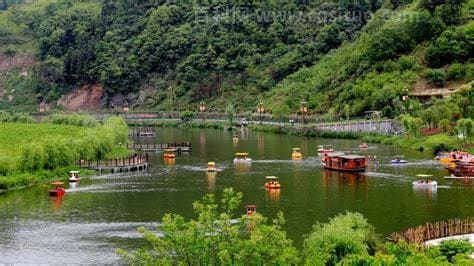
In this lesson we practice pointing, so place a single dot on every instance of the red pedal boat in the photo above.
(58, 190)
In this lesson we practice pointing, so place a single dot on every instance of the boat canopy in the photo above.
(352, 157)
(422, 175)
(296, 149)
(241, 154)
(57, 183)
(334, 154)
(211, 163)
(271, 177)
(74, 172)
(169, 150)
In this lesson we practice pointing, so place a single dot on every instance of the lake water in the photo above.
(102, 213)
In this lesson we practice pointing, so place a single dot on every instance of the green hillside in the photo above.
(344, 57)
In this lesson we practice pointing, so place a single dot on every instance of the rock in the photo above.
(88, 97)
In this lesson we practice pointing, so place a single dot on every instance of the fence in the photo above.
(431, 231)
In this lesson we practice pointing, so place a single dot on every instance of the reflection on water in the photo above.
(211, 180)
(273, 196)
(57, 202)
(102, 212)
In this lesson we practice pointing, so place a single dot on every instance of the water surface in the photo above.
(102, 213)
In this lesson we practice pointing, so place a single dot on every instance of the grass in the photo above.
(34, 153)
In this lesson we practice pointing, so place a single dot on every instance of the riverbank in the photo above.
(34, 153)
(432, 143)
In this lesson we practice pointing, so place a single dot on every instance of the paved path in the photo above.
(435, 242)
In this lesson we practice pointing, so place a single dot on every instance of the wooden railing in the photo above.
(115, 163)
(143, 131)
(183, 146)
(431, 231)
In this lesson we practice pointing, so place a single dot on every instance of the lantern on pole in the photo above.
(126, 108)
(304, 110)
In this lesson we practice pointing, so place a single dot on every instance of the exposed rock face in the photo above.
(9, 62)
(86, 98)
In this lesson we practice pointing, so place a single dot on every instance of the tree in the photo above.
(281, 111)
(412, 125)
(444, 125)
(212, 239)
(344, 235)
(465, 127)
(230, 113)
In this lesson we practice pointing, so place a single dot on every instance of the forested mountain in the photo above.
(342, 56)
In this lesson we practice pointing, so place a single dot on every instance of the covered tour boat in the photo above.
(242, 157)
(211, 167)
(58, 189)
(272, 182)
(398, 160)
(251, 209)
(425, 181)
(169, 153)
(461, 168)
(73, 176)
(325, 149)
(342, 162)
(296, 154)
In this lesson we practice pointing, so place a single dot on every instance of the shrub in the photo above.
(451, 248)
(344, 235)
(436, 77)
(32, 158)
(456, 72)
(57, 155)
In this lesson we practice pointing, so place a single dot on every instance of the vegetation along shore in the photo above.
(37, 152)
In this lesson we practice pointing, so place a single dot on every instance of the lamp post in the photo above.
(260, 111)
(126, 108)
(304, 110)
(202, 109)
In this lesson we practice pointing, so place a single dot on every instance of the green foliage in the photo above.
(456, 72)
(465, 127)
(280, 112)
(32, 158)
(344, 235)
(212, 239)
(436, 77)
(230, 113)
(454, 44)
(73, 120)
(412, 125)
(451, 249)
(187, 115)
(34, 152)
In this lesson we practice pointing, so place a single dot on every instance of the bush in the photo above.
(344, 235)
(436, 77)
(451, 248)
(74, 120)
(456, 72)
(57, 155)
(32, 158)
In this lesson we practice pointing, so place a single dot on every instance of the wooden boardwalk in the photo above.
(431, 231)
(179, 147)
(134, 163)
(142, 132)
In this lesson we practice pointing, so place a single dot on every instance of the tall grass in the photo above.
(28, 152)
